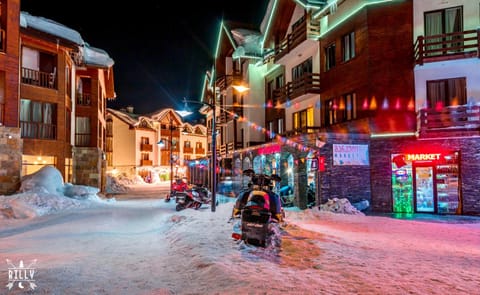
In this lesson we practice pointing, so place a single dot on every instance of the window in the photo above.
(82, 131)
(341, 109)
(302, 69)
(330, 57)
(447, 92)
(271, 129)
(144, 140)
(270, 90)
(2, 97)
(303, 119)
(38, 119)
(348, 46)
(281, 130)
(440, 22)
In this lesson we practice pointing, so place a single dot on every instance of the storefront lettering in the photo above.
(422, 157)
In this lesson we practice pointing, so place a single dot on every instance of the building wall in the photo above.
(124, 148)
(10, 159)
(9, 63)
(381, 168)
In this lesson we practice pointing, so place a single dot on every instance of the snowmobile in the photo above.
(257, 212)
(193, 198)
(177, 186)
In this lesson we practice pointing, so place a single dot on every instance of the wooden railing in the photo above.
(298, 131)
(308, 83)
(37, 78)
(36, 130)
(463, 120)
(225, 81)
(83, 99)
(447, 46)
(304, 29)
(188, 150)
(199, 151)
(145, 147)
(145, 162)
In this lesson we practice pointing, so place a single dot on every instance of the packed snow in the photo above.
(81, 243)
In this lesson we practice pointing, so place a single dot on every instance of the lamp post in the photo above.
(213, 159)
(161, 144)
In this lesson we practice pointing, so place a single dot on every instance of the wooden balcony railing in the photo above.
(302, 130)
(145, 162)
(36, 130)
(199, 151)
(83, 99)
(457, 45)
(226, 81)
(452, 121)
(304, 29)
(145, 147)
(188, 150)
(37, 78)
(308, 83)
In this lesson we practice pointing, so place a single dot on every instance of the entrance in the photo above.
(426, 183)
(424, 196)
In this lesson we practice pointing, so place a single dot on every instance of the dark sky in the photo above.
(161, 48)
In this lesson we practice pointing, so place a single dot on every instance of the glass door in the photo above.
(424, 189)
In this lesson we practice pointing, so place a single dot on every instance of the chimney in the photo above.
(130, 109)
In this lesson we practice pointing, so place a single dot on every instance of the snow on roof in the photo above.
(92, 56)
(96, 57)
(249, 42)
(51, 27)
(128, 118)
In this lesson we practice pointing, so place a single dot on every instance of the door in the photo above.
(425, 200)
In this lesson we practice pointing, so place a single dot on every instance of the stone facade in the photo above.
(11, 146)
(88, 167)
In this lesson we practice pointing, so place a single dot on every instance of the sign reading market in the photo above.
(350, 154)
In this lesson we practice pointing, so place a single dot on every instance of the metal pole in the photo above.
(214, 150)
(171, 157)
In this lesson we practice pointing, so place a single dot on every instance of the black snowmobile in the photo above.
(257, 211)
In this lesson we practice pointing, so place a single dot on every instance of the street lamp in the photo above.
(213, 147)
(161, 143)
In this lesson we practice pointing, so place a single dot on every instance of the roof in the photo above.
(128, 118)
(91, 56)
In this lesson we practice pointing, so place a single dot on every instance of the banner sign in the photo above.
(350, 154)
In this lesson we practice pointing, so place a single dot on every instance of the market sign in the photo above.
(350, 154)
(271, 149)
(422, 157)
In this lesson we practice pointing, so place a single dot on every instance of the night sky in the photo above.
(161, 49)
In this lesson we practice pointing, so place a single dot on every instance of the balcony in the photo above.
(145, 162)
(308, 83)
(83, 99)
(145, 147)
(226, 81)
(37, 78)
(37, 130)
(199, 151)
(188, 150)
(302, 30)
(451, 46)
(452, 121)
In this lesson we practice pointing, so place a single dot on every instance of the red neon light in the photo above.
(269, 150)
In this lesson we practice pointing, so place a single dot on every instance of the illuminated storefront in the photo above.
(426, 183)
